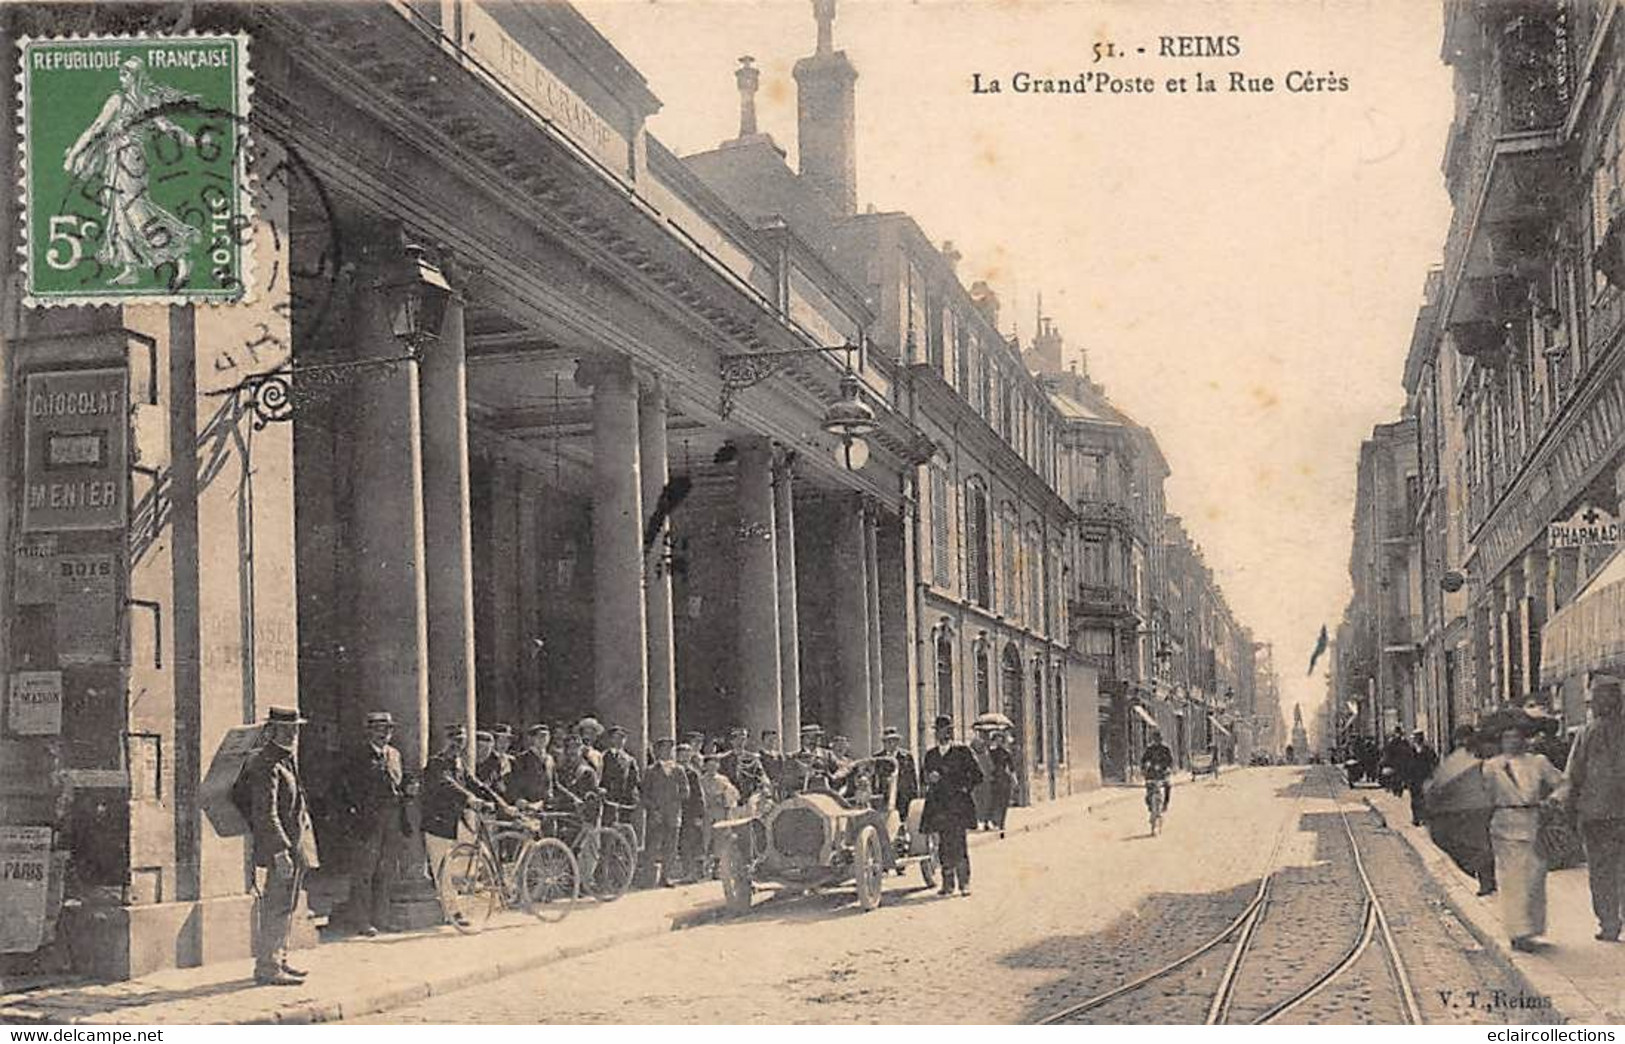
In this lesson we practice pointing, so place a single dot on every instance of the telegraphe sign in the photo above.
(1588, 528)
(513, 65)
(74, 458)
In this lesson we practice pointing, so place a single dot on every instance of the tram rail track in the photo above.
(1242, 934)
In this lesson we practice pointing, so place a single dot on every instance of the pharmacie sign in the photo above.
(74, 468)
(1588, 528)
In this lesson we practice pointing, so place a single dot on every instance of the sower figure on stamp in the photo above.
(139, 234)
(370, 792)
(951, 775)
(284, 845)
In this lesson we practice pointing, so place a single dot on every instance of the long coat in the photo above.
(278, 819)
(948, 802)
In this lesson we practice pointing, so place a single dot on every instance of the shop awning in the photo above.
(1149, 720)
(1588, 634)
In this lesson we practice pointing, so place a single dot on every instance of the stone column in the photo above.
(652, 453)
(784, 525)
(390, 653)
(620, 663)
(852, 621)
(871, 576)
(1534, 574)
(760, 685)
(448, 543)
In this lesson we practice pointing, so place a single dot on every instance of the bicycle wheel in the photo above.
(511, 846)
(469, 886)
(549, 880)
(615, 864)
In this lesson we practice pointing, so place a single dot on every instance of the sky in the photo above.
(1242, 269)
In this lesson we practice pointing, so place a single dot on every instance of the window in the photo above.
(1039, 739)
(977, 555)
(940, 569)
(1089, 476)
(1094, 558)
(1058, 728)
(1034, 577)
(962, 356)
(1009, 579)
(945, 674)
(984, 697)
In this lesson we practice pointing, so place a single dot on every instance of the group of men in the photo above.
(682, 791)
(1406, 765)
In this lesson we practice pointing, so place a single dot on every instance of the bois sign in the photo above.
(1587, 528)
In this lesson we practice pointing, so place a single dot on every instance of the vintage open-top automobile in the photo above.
(821, 839)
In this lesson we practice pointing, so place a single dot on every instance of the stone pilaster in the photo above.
(756, 541)
(852, 621)
(789, 617)
(654, 468)
(620, 663)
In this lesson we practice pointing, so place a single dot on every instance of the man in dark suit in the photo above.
(772, 762)
(620, 779)
(664, 793)
(691, 822)
(743, 766)
(449, 789)
(370, 794)
(284, 846)
(908, 774)
(533, 770)
(951, 774)
(490, 767)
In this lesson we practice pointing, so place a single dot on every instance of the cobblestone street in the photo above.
(1058, 916)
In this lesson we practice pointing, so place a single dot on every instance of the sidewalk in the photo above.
(1584, 978)
(355, 977)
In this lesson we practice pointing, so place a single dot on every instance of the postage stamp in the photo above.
(135, 169)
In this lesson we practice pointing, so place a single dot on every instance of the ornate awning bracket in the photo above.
(277, 396)
(741, 370)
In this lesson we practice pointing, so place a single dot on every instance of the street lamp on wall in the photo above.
(418, 299)
(849, 418)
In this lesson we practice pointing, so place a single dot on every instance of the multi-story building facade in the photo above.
(1515, 380)
(1381, 661)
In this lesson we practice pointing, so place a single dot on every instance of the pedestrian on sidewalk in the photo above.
(1419, 766)
(284, 845)
(1459, 803)
(1396, 758)
(982, 794)
(1003, 782)
(951, 775)
(1596, 796)
(691, 854)
(664, 792)
(1521, 782)
(371, 793)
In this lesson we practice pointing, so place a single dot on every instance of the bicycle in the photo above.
(512, 866)
(1154, 803)
(607, 855)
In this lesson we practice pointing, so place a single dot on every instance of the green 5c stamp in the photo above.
(135, 169)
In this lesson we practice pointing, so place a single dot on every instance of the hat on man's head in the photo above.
(537, 730)
(502, 730)
(811, 726)
(456, 728)
(684, 748)
(380, 718)
(284, 716)
(589, 726)
(839, 739)
(483, 735)
(664, 741)
(616, 730)
(943, 722)
(891, 733)
(739, 730)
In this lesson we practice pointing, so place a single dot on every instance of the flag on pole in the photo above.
(1320, 648)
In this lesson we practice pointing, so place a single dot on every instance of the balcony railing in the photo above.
(1102, 600)
(1092, 510)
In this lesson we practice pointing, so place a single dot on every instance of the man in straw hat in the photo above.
(284, 846)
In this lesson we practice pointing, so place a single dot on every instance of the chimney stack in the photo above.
(986, 301)
(748, 77)
(951, 254)
(826, 123)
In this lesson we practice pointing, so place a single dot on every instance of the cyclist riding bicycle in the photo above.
(1157, 763)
